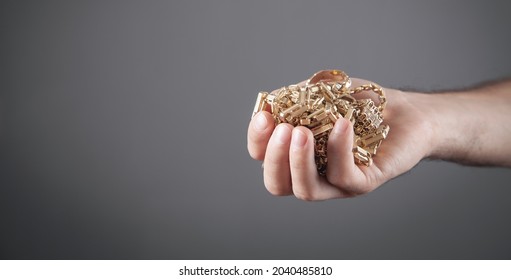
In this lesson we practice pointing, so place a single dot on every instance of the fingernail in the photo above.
(340, 126)
(282, 134)
(260, 122)
(299, 138)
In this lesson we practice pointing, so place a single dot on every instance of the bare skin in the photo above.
(471, 127)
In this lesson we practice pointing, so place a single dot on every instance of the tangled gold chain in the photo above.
(324, 99)
(374, 88)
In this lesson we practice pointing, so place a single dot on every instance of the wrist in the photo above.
(424, 107)
(467, 127)
(453, 125)
(436, 113)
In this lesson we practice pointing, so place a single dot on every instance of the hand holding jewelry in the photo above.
(326, 97)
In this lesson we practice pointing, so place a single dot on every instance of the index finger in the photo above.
(259, 131)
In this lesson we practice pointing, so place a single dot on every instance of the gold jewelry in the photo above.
(326, 97)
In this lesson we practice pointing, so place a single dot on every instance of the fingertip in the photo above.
(301, 149)
(300, 137)
(282, 133)
(340, 127)
(301, 161)
(341, 138)
(277, 177)
(340, 155)
(259, 122)
(259, 131)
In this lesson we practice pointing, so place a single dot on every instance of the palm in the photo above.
(405, 145)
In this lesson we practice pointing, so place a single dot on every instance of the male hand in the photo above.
(288, 152)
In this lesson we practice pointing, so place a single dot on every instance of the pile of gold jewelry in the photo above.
(324, 99)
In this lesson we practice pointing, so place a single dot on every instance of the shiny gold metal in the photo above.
(332, 75)
(321, 129)
(326, 97)
(260, 102)
(374, 88)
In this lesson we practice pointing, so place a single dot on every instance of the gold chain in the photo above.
(376, 89)
(324, 99)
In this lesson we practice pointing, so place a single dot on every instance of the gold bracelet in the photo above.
(326, 97)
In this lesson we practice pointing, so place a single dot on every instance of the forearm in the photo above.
(472, 127)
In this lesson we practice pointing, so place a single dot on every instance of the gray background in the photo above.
(123, 128)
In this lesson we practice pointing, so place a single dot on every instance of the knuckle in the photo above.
(349, 184)
(276, 189)
(305, 195)
(341, 181)
(276, 186)
(359, 191)
(297, 163)
(256, 154)
(274, 163)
